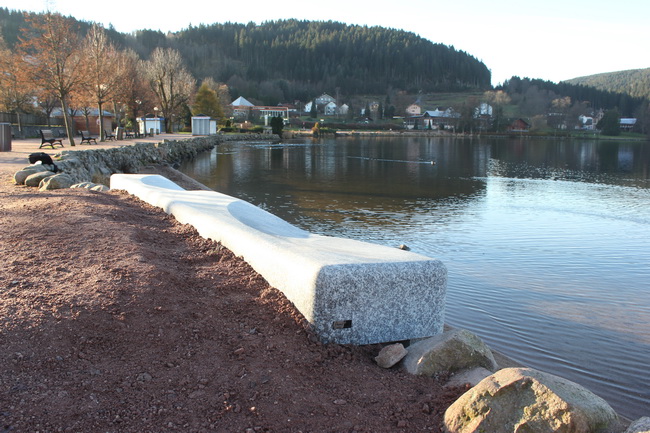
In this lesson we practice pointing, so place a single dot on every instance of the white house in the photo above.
(433, 119)
(587, 123)
(330, 109)
(324, 99)
(344, 109)
(413, 110)
(483, 110)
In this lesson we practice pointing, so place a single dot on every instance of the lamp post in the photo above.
(139, 102)
(157, 121)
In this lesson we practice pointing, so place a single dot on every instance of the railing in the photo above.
(29, 119)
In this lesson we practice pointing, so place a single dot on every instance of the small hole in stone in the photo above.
(342, 324)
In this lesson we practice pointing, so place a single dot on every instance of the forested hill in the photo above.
(634, 82)
(329, 55)
(294, 59)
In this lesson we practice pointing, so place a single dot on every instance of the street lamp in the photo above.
(139, 102)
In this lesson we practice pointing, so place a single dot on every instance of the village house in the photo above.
(519, 125)
(483, 110)
(627, 123)
(433, 119)
(325, 105)
(586, 123)
(330, 109)
(244, 109)
(414, 110)
(324, 99)
(241, 108)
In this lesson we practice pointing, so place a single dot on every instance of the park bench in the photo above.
(351, 292)
(48, 139)
(129, 134)
(109, 135)
(86, 138)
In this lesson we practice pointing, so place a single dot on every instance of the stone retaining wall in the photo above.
(97, 165)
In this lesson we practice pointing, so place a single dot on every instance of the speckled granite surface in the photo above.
(352, 292)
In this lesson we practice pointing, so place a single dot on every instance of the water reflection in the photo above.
(545, 241)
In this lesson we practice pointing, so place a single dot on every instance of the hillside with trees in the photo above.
(293, 59)
(635, 82)
(287, 61)
(284, 60)
(534, 96)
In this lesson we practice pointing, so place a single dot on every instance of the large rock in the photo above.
(390, 355)
(36, 178)
(450, 351)
(529, 401)
(58, 181)
(642, 425)
(21, 175)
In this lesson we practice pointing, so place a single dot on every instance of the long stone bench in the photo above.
(352, 292)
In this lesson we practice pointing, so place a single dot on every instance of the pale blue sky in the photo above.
(552, 40)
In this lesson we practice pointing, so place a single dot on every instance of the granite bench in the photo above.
(352, 292)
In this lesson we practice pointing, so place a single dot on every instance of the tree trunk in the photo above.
(67, 121)
(102, 136)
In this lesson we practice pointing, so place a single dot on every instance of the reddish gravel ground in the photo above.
(116, 318)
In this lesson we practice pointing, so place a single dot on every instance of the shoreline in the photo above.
(289, 134)
(189, 183)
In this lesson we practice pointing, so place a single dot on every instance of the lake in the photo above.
(546, 241)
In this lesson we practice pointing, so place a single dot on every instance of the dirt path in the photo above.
(116, 318)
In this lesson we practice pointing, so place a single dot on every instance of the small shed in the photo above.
(204, 125)
(148, 122)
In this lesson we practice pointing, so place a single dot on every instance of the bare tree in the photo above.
(168, 78)
(133, 91)
(51, 49)
(102, 70)
(15, 91)
(47, 102)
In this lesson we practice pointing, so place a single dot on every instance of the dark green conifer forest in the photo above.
(287, 60)
(635, 82)
(291, 59)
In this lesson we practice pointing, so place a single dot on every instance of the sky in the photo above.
(552, 40)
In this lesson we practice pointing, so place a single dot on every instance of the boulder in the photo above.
(448, 352)
(642, 425)
(390, 355)
(21, 175)
(58, 181)
(530, 401)
(36, 178)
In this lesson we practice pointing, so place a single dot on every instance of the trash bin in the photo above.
(5, 137)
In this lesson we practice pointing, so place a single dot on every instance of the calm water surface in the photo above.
(546, 242)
